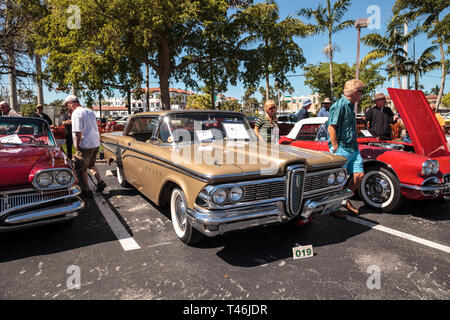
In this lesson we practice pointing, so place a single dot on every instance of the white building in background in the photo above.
(117, 107)
(295, 103)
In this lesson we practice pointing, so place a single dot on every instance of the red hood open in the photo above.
(420, 122)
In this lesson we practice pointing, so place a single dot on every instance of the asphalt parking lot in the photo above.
(122, 247)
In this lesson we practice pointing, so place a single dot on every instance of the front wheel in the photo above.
(380, 189)
(180, 222)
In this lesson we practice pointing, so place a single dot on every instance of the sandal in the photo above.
(351, 208)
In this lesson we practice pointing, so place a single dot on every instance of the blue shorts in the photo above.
(354, 160)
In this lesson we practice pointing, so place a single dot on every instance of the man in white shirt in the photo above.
(7, 111)
(86, 140)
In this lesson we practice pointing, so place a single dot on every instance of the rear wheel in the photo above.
(180, 222)
(380, 189)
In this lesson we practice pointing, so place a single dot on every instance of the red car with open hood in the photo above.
(393, 170)
(37, 180)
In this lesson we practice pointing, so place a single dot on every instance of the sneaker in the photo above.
(101, 186)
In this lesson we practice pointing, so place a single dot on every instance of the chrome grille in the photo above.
(11, 202)
(296, 185)
(263, 191)
(316, 182)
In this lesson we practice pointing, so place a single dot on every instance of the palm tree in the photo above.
(390, 46)
(425, 63)
(430, 10)
(328, 20)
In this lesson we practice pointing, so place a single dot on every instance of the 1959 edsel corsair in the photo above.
(37, 181)
(215, 175)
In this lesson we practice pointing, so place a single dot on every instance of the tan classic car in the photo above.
(216, 176)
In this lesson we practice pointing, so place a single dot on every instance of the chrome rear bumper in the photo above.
(212, 223)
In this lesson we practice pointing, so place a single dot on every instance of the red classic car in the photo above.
(393, 170)
(37, 180)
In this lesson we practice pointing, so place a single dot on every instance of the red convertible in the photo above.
(393, 170)
(37, 180)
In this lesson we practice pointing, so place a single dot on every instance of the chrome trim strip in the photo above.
(424, 188)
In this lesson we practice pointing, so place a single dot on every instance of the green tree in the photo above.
(425, 63)
(315, 76)
(435, 26)
(446, 100)
(199, 101)
(270, 47)
(328, 21)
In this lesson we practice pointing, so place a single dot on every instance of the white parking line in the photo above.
(400, 234)
(126, 240)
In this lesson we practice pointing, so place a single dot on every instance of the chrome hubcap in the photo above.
(378, 189)
(180, 210)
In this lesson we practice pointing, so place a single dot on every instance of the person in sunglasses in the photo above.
(342, 136)
(266, 127)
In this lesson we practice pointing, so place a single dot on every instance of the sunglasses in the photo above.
(360, 90)
(272, 108)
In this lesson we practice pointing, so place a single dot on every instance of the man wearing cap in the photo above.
(325, 110)
(380, 118)
(87, 143)
(7, 111)
(342, 133)
(40, 114)
(303, 112)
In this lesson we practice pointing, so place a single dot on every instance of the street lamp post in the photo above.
(360, 23)
(408, 67)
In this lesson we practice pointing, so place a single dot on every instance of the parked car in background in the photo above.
(37, 180)
(215, 175)
(286, 122)
(393, 170)
(117, 125)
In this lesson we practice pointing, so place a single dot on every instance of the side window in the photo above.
(164, 132)
(308, 132)
(141, 128)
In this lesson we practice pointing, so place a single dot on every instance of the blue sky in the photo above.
(312, 46)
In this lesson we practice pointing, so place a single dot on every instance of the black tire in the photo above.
(380, 189)
(121, 178)
(181, 225)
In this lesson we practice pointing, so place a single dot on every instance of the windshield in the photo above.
(205, 127)
(28, 131)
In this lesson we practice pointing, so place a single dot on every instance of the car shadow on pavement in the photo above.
(259, 246)
(87, 229)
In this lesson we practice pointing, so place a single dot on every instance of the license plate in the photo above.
(303, 252)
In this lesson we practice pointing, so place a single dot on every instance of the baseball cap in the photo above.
(70, 98)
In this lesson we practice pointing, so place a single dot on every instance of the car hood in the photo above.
(243, 159)
(420, 122)
(17, 163)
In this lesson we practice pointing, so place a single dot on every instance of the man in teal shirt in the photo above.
(342, 133)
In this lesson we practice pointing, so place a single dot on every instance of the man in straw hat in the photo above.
(342, 132)
(380, 118)
(325, 110)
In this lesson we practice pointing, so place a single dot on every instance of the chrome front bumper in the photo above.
(43, 212)
(212, 223)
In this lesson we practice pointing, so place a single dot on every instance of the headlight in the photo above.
(44, 179)
(331, 178)
(430, 167)
(53, 179)
(236, 194)
(220, 196)
(435, 167)
(341, 176)
(63, 177)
